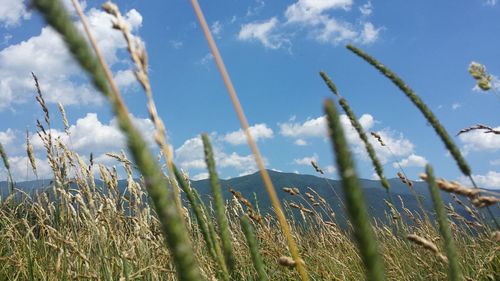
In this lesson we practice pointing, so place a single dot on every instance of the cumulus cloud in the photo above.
(21, 169)
(263, 32)
(258, 131)
(89, 134)
(12, 12)
(411, 161)
(46, 56)
(190, 156)
(312, 11)
(306, 160)
(314, 15)
(330, 169)
(316, 128)
(489, 180)
(310, 128)
(300, 142)
(480, 141)
(125, 79)
(7, 137)
(200, 176)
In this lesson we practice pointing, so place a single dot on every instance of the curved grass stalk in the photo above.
(254, 249)
(220, 209)
(454, 271)
(202, 223)
(359, 129)
(431, 118)
(363, 232)
(271, 191)
(176, 235)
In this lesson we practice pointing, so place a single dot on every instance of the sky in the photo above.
(273, 51)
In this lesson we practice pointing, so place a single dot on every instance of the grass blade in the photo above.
(202, 222)
(431, 118)
(454, 271)
(254, 249)
(354, 198)
(359, 129)
(271, 191)
(173, 227)
(225, 235)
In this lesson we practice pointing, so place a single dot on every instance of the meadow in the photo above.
(81, 226)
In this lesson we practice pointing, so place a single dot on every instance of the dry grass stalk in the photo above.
(251, 212)
(426, 244)
(291, 190)
(455, 187)
(487, 129)
(484, 201)
(31, 154)
(271, 191)
(140, 59)
(378, 138)
(316, 167)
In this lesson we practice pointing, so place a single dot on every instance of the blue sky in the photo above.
(273, 51)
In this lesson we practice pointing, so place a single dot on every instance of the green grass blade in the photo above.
(454, 271)
(417, 101)
(254, 249)
(359, 129)
(202, 222)
(354, 198)
(225, 235)
(431, 118)
(173, 227)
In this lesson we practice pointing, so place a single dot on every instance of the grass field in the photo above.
(76, 229)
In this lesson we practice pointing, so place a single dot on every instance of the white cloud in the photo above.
(310, 128)
(206, 59)
(490, 180)
(190, 155)
(490, 2)
(300, 142)
(21, 169)
(264, 33)
(125, 78)
(314, 15)
(7, 137)
(258, 132)
(216, 28)
(312, 11)
(495, 162)
(12, 12)
(89, 134)
(366, 9)
(200, 176)
(330, 169)
(456, 106)
(411, 161)
(370, 33)
(316, 127)
(480, 141)
(46, 55)
(176, 44)
(306, 160)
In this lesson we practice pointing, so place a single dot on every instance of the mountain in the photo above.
(252, 187)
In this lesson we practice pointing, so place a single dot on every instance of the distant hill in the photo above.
(251, 186)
